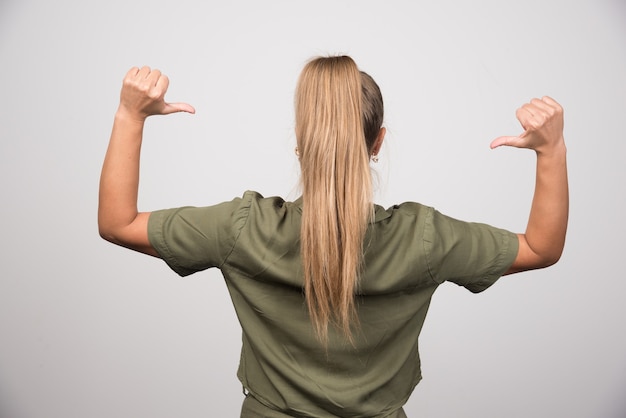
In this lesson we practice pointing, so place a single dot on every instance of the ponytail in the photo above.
(336, 188)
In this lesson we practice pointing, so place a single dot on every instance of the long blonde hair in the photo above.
(338, 117)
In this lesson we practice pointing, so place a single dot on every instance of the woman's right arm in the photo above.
(542, 243)
(143, 95)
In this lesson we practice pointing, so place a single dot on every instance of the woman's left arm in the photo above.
(119, 221)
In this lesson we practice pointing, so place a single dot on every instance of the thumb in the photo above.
(504, 140)
(178, 107)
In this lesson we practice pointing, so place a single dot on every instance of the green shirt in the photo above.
(409, 250)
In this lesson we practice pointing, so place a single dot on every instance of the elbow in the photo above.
(107, 233)
(133, 235)
(549, 259)
(531, 257)
(109, 229)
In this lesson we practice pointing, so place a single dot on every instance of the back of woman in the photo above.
(331, 290)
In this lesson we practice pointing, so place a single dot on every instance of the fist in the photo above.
(542, 121)
(143, 94)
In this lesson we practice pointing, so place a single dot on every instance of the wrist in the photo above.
(127, 116)
(557, 149)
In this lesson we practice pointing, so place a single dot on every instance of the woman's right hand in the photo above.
(542, 120)
(143, 95)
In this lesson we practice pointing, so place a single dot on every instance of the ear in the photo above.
(379, 141)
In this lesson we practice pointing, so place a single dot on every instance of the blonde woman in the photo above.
(331, 290)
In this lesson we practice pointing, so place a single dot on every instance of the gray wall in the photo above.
(91, 330)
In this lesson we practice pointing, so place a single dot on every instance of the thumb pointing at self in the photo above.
(178, 107)
(505, 140)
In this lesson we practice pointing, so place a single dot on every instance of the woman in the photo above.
(331, 290)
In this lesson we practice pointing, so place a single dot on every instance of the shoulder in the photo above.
(412, 208)
(402, 212)
(258, 216)
(254, 198)
(192, 238)
(257, 206)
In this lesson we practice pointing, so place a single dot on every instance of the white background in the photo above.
(90, 330)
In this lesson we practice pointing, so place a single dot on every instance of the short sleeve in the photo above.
(472, 255)
(191, 239)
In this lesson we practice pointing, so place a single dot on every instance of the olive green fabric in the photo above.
(252, 408)
(409, 250)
